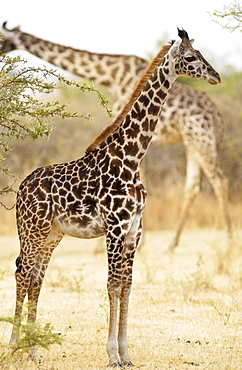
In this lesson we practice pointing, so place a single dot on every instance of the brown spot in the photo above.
(118, 187)
(106, 202)
(62, 192)
(117, 203)
(131, 149)
(70, 58)
(145, 140)
(124, 215)
(145, 124)
(100, 70)
(144, 99)
(133, 130)
(153, 109)
(161, 94)
(115, 150)
(114, 72)
(115, 166)
(80, 189)
(126, 175)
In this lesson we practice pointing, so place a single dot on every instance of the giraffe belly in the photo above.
(83, 228)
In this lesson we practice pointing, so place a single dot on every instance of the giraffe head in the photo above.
(190, 62)
(9, 39)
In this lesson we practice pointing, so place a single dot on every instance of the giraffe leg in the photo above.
(119, 287)
(130, 246)
(219, 183)
(29, 278)
(114, 289)
(117, 348)
(192, 188)
(23, 279)
(123, 320)
(33, 295)
(21, 291)
(37, 277)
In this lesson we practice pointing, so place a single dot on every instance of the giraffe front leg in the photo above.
(114, 252)
(122, 334)
(131, 243)
(112, 343)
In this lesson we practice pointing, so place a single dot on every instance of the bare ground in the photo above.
(185, 309)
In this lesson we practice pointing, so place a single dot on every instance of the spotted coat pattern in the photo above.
(189, 115)
(100, 194)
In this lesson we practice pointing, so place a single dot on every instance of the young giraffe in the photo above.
(189, 115)
(101, 194)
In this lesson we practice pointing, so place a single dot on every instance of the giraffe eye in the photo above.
(190, 59)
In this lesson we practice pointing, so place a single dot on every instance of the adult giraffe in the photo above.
(101, 194)
(189, 115)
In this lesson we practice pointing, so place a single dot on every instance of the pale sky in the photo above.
(127, 26)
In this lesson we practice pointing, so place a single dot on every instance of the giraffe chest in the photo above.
(81, 217)
(80, 226)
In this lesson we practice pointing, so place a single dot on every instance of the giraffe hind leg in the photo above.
(192, 188)
(220, 185)
(29, 279)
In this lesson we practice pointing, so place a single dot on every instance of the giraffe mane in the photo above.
(116, 123)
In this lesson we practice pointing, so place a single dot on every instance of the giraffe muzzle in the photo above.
(215, 80)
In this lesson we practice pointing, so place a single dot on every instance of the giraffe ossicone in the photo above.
(101, 194)
(188, 115)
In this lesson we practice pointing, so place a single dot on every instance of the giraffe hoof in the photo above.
(129, 363)
(116, 364)
(35, 357)
(170, 249)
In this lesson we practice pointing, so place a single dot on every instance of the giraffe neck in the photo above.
(114, 71)
(131, 139)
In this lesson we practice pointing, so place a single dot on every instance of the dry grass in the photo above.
(185, 309)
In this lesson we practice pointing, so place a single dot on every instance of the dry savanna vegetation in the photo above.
(185, 309)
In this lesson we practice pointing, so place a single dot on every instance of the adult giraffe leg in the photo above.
(219, 183)
(192, 188)
(209, 163)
